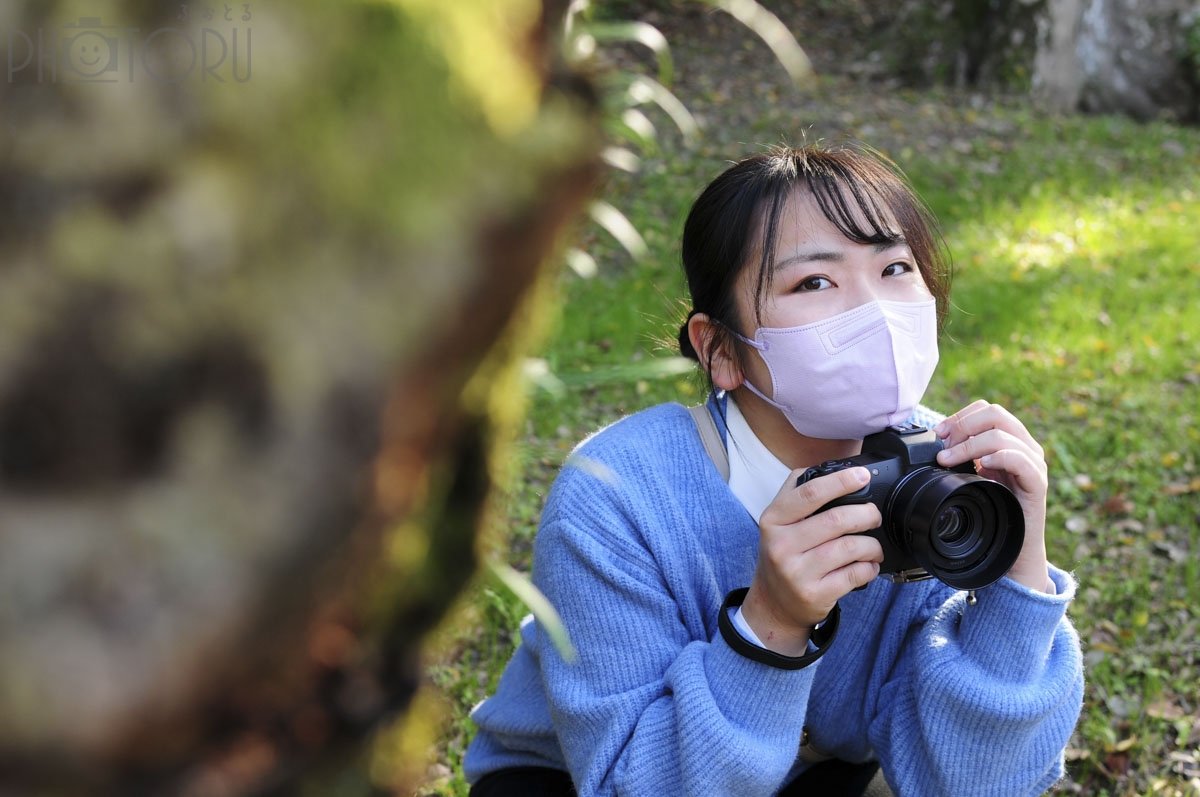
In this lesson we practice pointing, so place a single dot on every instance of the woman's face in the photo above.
(819, 273)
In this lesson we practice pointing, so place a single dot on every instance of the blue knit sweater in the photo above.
(640, 542)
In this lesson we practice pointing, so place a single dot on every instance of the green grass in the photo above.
(1077, 251)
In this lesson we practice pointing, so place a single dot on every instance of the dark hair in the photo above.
(737, 215)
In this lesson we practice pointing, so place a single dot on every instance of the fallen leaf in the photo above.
(1117, 505)
(1117, 763)
(1182, 488)
(1175, 553)
(1164, 709)
(1077, 753)
(1124, 744)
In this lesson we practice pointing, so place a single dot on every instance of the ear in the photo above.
(724, 370)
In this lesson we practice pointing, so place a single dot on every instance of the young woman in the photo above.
(733, 638)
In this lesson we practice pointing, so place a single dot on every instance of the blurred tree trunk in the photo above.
(265, 273)
(1124, 56)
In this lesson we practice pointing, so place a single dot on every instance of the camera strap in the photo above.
(711, 437)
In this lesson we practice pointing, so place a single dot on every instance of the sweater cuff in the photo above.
(1011, 629)
(818, 642)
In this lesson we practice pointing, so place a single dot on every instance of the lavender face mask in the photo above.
(853, 374)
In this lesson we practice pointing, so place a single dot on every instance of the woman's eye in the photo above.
(814, 284)
(897, 268)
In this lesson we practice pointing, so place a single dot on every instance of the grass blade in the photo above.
(620, 158)
(643, 33)
(576, 9)
(619, 227)
(774, 34)
(545, 614)
(643, 89)
(634, 126)
(657, 368)
(538, 372)
(581, 263)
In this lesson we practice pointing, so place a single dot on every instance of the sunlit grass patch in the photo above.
(1076, 306)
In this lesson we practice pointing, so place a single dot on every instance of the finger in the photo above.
(846, 579)
(978, 446)
(1012, 424)
(976, 417)
(856, 575)
(785, 543)
(980, 416)
(841, 552)
(796, 503)
(950, 422)
(1029, 475)
(829, 524)
(825, 592)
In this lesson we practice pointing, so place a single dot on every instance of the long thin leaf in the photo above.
(581, 263)
(774, 34)
(621, 158)
(643, 33)
(593, 467)
(574, 11)
(547, 617)
(643, 89)
(619, 227)
(656, 368)
(538, 372)
(580, 48)
(635, 127)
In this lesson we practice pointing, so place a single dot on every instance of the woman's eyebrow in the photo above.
(883, 246)
(808, 257)
(818, 255)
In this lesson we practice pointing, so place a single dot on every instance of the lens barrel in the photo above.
(962, 528)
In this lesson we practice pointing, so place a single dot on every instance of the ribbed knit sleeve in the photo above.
(648, 709)
(984, 697)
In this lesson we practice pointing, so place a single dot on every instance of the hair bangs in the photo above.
(854, 204)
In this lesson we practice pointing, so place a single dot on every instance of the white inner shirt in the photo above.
(755, 474)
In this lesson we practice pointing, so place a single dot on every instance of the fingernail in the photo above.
(943, 455)
(942, 429)
(861, 475)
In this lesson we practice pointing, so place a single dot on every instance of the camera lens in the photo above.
(962, 528)
(951, 524)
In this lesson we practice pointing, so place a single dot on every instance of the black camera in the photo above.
(953, 524)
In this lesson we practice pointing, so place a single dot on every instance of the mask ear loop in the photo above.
(754, 344)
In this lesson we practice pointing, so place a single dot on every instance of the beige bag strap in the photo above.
(711, 437)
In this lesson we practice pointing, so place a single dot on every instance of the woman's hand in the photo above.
(807, 561)
(1004, 451)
